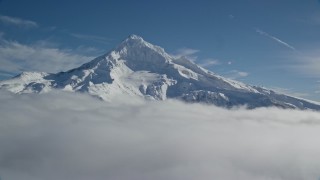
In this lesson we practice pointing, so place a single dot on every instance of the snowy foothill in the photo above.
(73, 136)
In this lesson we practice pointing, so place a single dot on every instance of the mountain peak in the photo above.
(133, 36)
(138, 44)
(133, 40)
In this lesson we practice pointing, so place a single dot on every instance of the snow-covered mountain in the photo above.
(138, 68)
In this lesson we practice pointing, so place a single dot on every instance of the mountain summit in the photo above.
(138, 68)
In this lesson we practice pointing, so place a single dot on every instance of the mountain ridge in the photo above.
(138, 68)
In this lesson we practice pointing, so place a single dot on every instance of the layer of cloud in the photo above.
(76, 137)
(16, 57)
(275, 39)
(18, 22)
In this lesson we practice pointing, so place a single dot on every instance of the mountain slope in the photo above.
(138, 68)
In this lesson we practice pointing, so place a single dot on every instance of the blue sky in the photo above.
(270, 43)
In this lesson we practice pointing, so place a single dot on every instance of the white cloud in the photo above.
(75, 137)
(18, 22)
(209, 62)
(16, 57)
(186, 52)
(190, 54)
(236, 74)
(275, 39)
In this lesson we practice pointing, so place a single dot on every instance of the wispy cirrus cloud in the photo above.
(312, 19)
(187, 52)
(231, 16)
(236, 74)
(88, 37)
(190, 54)
(290, 92)
(18, 22)
(259, 31)
(16, 57)
(209, 62)
(308, 65)
(318, 88)
(306, 62)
